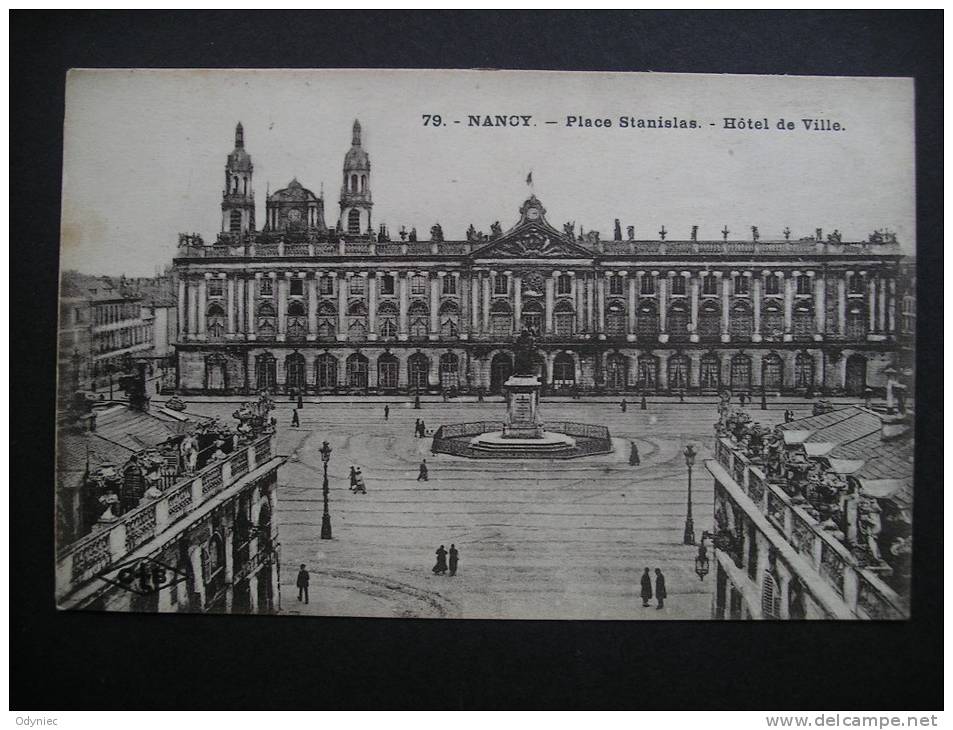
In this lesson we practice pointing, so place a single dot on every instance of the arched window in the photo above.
(647, 373)
(501, 367)
(419, 317)
(677, 323)
(326, 371)
(234, 183)
(740, 373)
(449, 371)
(532, 316)
(267, 328)
(772, 322)
(387, 369)
(356, 370)
(266, 373)
(741, 321)
(387, 320)
(563, 318)
(215, 322)
(803, 321)
(235, 221)
(803, 371)
(709, 321)
(353, 183)
(327, 321)
(418, 368)
(646, 320)
(357, 321)
(856, 376)
(297, 321)
(354, 221)
(770, 597)
(449, 320)
(213, 558)
(617, 371)
(679, 372)
(772, 372)
(501, 319)
(295, 377)
(709, 372)
(564, 371)
(363, 183)
(856, 322)
(615, 318)
(216, 379)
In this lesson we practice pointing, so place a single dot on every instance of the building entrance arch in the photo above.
(501, 368)
(855, 380)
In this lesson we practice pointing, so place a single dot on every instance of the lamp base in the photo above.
(326, 527)
(689, 537)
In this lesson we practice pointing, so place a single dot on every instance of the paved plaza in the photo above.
(543, 539)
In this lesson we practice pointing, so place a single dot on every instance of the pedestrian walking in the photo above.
(441, 567)
(353, 478)
(646, 588)
(295, 422)
(454, 559)
(417, 428)
(623, 406)
(304, 578)
(359, 486)
(157, 386)
(660, 593)
(300, 400)
(423, 429)
(634, 459)
(422, 476)
(643, 404)
(386, 411)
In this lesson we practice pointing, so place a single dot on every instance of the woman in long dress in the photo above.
(441, 567)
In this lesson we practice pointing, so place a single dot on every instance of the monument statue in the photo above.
(525, 350)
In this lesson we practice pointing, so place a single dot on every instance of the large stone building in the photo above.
(301, 306)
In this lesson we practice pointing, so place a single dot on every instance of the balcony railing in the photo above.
(832, 560)
(91, 555)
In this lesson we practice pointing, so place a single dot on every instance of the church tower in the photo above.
(356, 191)
(238, 197)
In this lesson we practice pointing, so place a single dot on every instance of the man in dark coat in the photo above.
(423, 429)
(417, 429)
(646, 588)
(303, 579)
(441, 567)
(643, 404)
(634, 459)
(454, 559)
(423, 476)
(295, 423)
(660, 593)
(623, 405)
(386, 411)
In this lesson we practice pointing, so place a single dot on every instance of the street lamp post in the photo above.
(326, 517)
(689, 538)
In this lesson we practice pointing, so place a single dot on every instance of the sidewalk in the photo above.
(633, 401)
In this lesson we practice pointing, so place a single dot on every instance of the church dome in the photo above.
(356, 157)
(295, 192)
(239, 159)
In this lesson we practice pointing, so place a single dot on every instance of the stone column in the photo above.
(229, 306)
(372, 306)
(725, 306)
(312, 283)
(600, 282)
(578, 303)
(591, 302)
(788, 304)
(661, 286)
(871, 304)
(693, 282)
(283, 284)
(240, 300)
(892, 306)
(475, 302)
(402, 325)
(842, 303)
(550, 299)
(820, 306)
(342, 281)
(203, 284)
(882, 304)
(436, 285)
(250, 292)
(516, 285)
(633, 280)
(757, 292)
(182, 311)
(463, 291)
(487, 292)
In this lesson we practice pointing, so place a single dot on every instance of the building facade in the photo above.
(814, 520)
(299, 306)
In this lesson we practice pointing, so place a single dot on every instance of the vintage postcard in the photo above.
(487, 344)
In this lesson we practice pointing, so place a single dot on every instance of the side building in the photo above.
(300, 306)
(814, 519)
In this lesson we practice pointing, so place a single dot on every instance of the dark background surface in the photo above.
(112, 661)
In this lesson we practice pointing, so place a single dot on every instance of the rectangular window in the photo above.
(500, 284)
(772, 284)
(387, 284)
(648, 284)
(616, 284)
(564, 284)
(297, 287)
(741, 285)
(356, 285)
(710, 284)
(326, 285)
(804, 284)
(418, 286)
(266, 288)
(678, 285)
(449, 285)
(216, 287)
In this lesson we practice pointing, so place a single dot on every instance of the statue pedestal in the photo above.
(522, 407)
